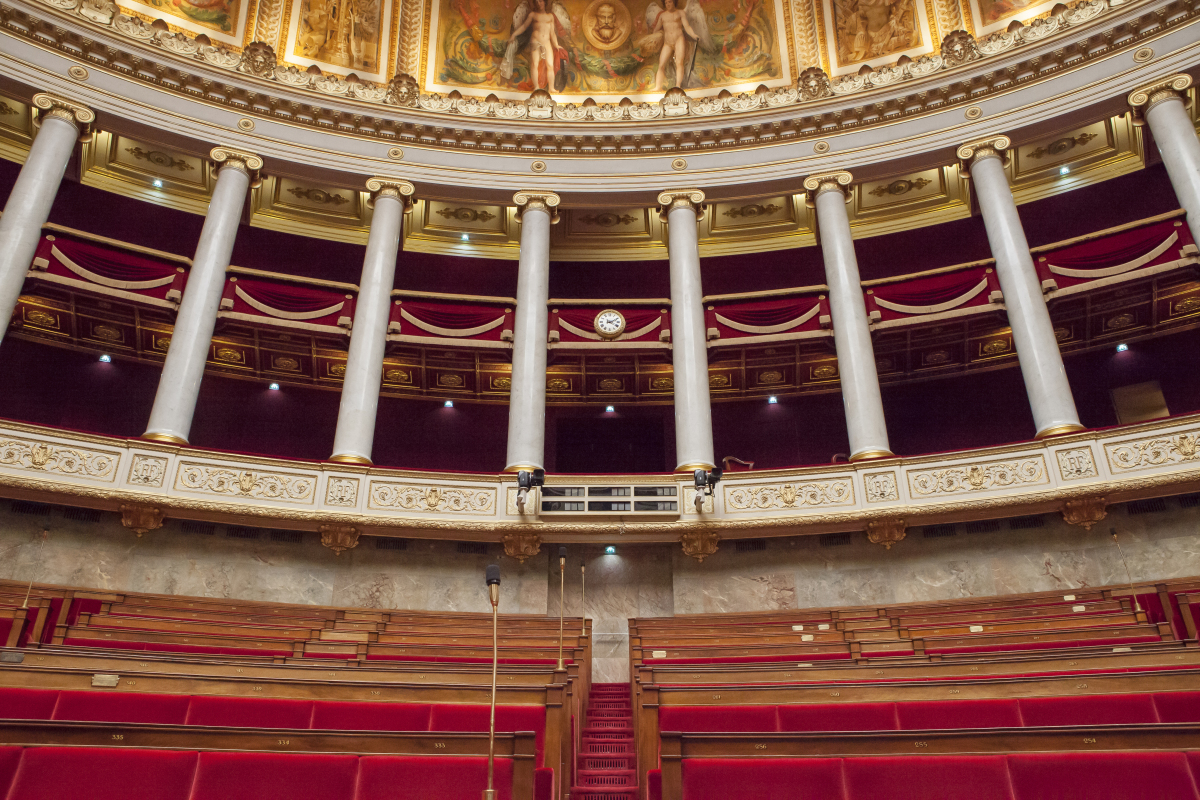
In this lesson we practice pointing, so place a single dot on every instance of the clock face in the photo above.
(610, 324)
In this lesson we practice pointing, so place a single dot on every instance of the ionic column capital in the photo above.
(989, 147)
(816, 185)
(680, 198)
(1147, 97)
(398, 188)
(537, 200)
(228, 158)
(51, 105)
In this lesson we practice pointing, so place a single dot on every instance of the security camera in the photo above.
(527, 480)
(706, 480)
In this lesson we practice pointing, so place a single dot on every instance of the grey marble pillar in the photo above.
(527, 398)
(859, 378)
(1041, 362)
(682, 209)
(1162, 106)
(179, 385)
(59, 124)
(355, 435)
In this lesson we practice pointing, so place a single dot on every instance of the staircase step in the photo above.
(607, 762)
(606, 778)
(596, 793)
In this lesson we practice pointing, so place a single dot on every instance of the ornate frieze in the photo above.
(148, 471)
(270, 486)
(886, 532)
(1153, 451)
(57, 459)
(1085, 511)
(881, 487)
(988, 476)
(431, 499)
(1076, 463)
(339, 538)
(522, 545)
(699, 544)
(342, 492)
(141, 519)
(833, 492)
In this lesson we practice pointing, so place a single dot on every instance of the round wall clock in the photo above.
(609, 323)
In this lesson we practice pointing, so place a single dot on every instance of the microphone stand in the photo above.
(583, 599)
(490, 792)
(562, 588)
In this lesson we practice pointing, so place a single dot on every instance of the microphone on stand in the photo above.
(562, 588)
(493, 584)
(583, 597)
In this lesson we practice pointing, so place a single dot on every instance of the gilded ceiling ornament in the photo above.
(959, 48)
(258, 59)
(714, 381)
(228, 158)
(753, 210)
(699, 544)
(899, 187)
(558, 385)
(813, 84)
(159, 159)
(1186, 305)
(1085, 511)
(141, 519)
(990, 147)
(80, 116)
(671, 199)
(77, 72)
(339, 538)
(1119, 321)
(6, 110)
(318, 196)
(816, 185)
(449, 380)
(466, 214)
(1060, 146)
(665, 383)
(402, 90)
(521, 545)
(537, 200)
(608, 219)
(1143, 99)
(398, 188)
(886, 532)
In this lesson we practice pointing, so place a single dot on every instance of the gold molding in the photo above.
(699, 544)
(349, 459)
(398, 188)
(52, 105)
(840, 181)
(141, 519)
(165, 438)
(537, 200)
(871, 455)
(339, 538)
(521, 545)
(887, 531)
(992, 146)
(671, 199)
(1143, 99)
(1085, 511)
(1059, 430)
(236, 159)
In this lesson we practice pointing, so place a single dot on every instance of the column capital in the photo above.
(398, 188)
(537, 199)
(51, 105)
(988, 147)
(679, 198)
(815, 185)
(228, 158)
(1143, 99)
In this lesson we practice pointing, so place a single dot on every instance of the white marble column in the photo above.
(179, 385)
(59, 124)
(682, 210)
(527, 398)
(1162, 106)
(1033, 333)
(859, 378)
(355, 434)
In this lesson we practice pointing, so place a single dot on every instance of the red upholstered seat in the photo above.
(1101, 776)
(474, 717)
(1112, 709)
(1178, 707)
(763, 779)
(543, 784)
(27, 703)
(249, 712)
(934, 714)
(430, 778)
(927, 778)
(370, 716)
(275, 776)
(116, 706)
(798, 657)
(833, 717)
(718, 719)
(10, 757)
(102, 773)
(654, 784)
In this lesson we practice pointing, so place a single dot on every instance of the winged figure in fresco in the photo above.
(682, 32)
(537, 27)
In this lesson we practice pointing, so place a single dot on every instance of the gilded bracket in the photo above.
(680, 198)
(828, 182)
(992, 146)
(1085, 512)
(699, 544)
(537, 200)
(887, 531)
(521, 545)
(141, 519)
(339, 537)
(1147, 97)
(399, 188)
(237, 159)
(50, 105)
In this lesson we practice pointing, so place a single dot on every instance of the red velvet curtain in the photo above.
(932, 290)
(289, 297)
(444, 315)
(117, 265)
(1119, 248)
(767, 312)
(585, 318)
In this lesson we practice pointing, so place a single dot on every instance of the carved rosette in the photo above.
(522, 545)
(339, 537)
(699, 544)
(141, 519)
(886, 531)
(1085, 511)
(672, 199)
(1147, 97)
(398, 188)
(816, 185)
(49, 105)
(993, 146)
(537, 200)
(228, 158)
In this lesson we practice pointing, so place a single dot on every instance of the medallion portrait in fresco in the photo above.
(604, 47)
(217, 15)
(344, 33)
(870, 29)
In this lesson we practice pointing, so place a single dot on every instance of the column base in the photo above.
(352, 459)
(871, 455)
(165, 438)
(1060, 430)
(695, 465)
(515, 468)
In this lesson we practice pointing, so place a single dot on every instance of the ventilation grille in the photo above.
(983, 526)
(1023, 523)
(834, 539)
(291, 537)
(387, 543)
(202, 528)
(1153, 505)
(939, 531)
(81, 514)
(33, 509)
(750, 545)
(474, 548)
(1189, 500)
(240, 532)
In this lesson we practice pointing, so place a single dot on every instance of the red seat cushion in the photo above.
(474, 717)
(654, 784)
(958, 714)
(108, 706)
(762, 779)
(249, 712)
(267, 776)
(834, 717)
(370, 716)
(1178, 707)
(102, 773)
(27, 703)
(927, 778)
(718, 719)
(543, 784)
(1101, 776)
(1112, 709)
(430, 778)
(10, 757)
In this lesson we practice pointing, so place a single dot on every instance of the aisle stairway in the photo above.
(606, 769)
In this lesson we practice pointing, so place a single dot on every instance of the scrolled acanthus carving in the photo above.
(339, 538)
(699, 544)
(887, 532)
(1085, 511)
(141, 519)
(522, 545)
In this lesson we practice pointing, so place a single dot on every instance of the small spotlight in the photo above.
(610, 550)
(105, 359)
(466, 238)
(1121, 348)
(274, 387)
(772, 400)
(609, 409)
(448, 404)
(1063, 170)
(157, 183)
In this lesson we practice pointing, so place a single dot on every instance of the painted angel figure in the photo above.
(539, 27)
(682, 31)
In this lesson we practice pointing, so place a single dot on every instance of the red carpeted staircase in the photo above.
(607, 768)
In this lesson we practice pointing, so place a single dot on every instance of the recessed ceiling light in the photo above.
(610, 550)
(1121, 348)
(466, 238)
(448, 404)
(274, 387)
(157, 183)
(1064, 170)
(106, 358)
(772, 400)
(609, 409)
